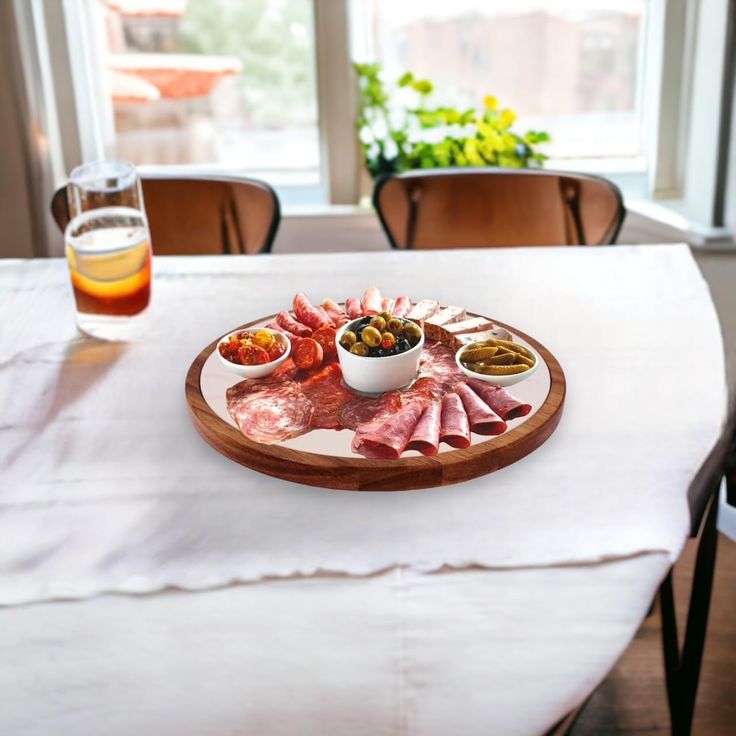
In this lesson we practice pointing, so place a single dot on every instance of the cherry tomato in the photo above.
(276, 349)
(252, 355)
(325, 336)
(307, 353)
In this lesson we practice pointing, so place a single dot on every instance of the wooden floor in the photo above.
(632, 700)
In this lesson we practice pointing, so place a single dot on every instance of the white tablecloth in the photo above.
(105, 486)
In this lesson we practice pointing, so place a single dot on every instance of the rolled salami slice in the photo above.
(371, 301)
(277, 326)
(426, 435)
(335, 313)
(387, 305)
(402, 306)
(388, 440)
(483, 420)
(308, 314)
(354, 307)
(291, 325)
(501, 401)
(454, 425)
(269, 410)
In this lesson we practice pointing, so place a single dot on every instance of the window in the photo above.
(571, 67)
(214, 82)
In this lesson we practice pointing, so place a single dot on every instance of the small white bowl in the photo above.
(509, 380)
(376, 375)
(255, 371)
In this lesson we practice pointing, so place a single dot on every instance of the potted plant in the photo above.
(399, 130)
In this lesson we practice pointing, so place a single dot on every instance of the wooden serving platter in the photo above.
(323, 457)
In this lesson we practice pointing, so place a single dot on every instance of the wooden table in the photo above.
(339, 628)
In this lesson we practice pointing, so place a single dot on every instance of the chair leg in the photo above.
(683, 670)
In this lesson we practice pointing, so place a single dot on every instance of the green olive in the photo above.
(379, 323)
(388, 340)
(371, 337)
(385, 316)
(412, 333)
(395, 325)
(348, 339)
(360, 348)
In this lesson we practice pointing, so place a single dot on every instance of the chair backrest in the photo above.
(200, 215)
(467, 208)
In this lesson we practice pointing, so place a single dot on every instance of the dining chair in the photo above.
(682, 661)
(202, 214)
(479, 207)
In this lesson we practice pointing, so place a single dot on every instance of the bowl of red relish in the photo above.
(254, 352)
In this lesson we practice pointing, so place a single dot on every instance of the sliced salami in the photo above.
(327, 394)
(454, 424)
(361, 410)
(296, 328)
(501, 401)
(371, 301)
(426, 435)
(438, 361)
(277, 326)
(483, 420)
(335, 312)
(353, 307)
(387, 440)
(402, 306)
(269, 410)
(308, 314)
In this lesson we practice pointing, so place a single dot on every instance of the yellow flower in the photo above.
(491, 102)
(507, 118)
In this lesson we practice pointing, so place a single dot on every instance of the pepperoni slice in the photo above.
(325, 336)
(307, 353)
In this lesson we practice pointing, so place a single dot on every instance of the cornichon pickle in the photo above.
(360, 348)
(523, 359)
(371, 337)
(515, 347)
(502, 370)
(348, 339)
(473, 355)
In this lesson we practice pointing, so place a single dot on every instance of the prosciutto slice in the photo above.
(483, 420)
(371, 301)
(402, 306)
(353, 307)
(308, 314)
(426, 435)
(269, 410)
(454, 424)
(387, 440)
(501, 401)
(387, 305)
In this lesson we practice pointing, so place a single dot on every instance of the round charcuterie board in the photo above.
(324, 458)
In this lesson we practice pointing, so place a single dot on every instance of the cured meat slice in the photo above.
(425, 389)
(402, 306)
(289, 323)
(438, 361)
(454, 424)
(483, 420)
(269, 410)
(335, 312)
(361, 410)
(387, 305)
(426, 435)
(387, 440)
(371, 301)
(327, 394)
(501, 401)
(277, 326)
(354, 307)
(423, 309)
(308, 314)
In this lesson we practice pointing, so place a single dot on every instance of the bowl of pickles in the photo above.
(379, 353)
(500, 362)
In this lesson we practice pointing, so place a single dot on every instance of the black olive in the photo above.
(402, 346)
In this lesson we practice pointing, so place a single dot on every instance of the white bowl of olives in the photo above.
(379, 353)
